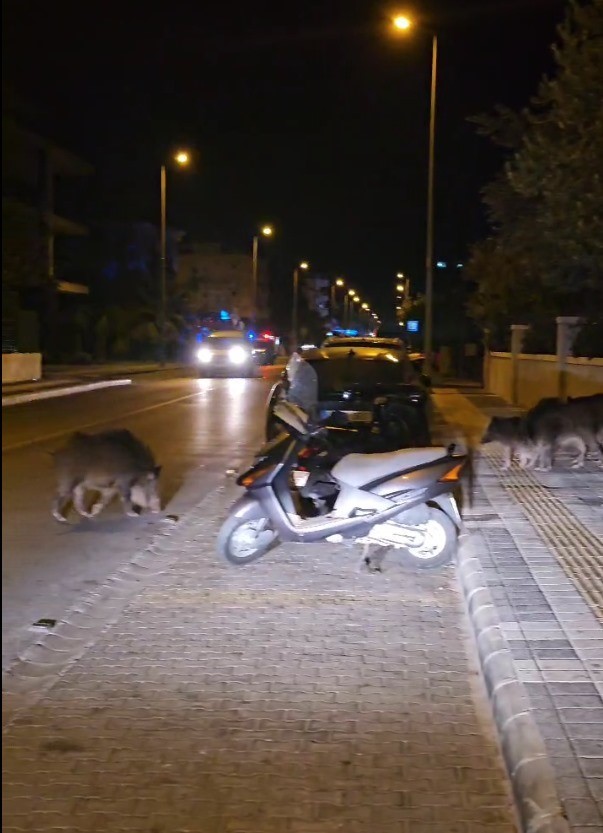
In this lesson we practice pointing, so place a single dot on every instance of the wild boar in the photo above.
(109, 463)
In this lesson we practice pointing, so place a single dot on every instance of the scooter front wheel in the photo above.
(438, 545)
(243, 540)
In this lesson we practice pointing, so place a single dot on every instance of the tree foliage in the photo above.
(545, 255)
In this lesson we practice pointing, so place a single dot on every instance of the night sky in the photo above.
(308, 115)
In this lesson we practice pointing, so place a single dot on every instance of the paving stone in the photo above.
(545, 594)
(296, 694)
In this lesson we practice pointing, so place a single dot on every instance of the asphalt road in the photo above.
(198, 428)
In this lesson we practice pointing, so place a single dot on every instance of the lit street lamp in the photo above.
(334, 285)
(182, 158)
(402, 24)
(347, 307)
(294, 322)
(267, 231)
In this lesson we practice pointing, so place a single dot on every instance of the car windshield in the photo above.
(364, 373)
(223, 343)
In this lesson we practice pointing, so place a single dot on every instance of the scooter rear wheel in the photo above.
(243, 540)
(439, 543)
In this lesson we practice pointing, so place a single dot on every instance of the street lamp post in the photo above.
(367, 310)
(182, 158)
(339, 282)
(429, 247)
(355, 300)
(162, 273)
(267, 231)
(350, 312)
(294, 314)
(403, 24)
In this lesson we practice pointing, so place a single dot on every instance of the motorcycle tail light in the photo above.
(249, 479)
(453, 475)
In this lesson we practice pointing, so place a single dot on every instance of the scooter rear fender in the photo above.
(448, 505)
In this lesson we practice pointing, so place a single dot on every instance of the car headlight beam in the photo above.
(204, 355)
(238, 355)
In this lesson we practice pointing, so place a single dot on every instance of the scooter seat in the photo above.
(360, 469)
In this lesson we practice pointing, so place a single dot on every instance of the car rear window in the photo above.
(382, 345)
(339, 374)
(230, 341)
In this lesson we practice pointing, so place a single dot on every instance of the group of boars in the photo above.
(118, 464)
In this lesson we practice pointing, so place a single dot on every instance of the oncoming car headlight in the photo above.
(238, 355)
(204, 355)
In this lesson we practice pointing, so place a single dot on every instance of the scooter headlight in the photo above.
(238, 355)
(204, 355)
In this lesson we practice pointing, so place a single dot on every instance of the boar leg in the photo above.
(105, 498)
(581, 447)
(125, 494)
(78, 500)
(507, 458)
(59, 505)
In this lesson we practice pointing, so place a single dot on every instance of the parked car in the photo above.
(226, 353)
(264, 350)
(395, 344)
(373, 390)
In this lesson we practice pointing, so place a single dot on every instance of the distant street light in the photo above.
(294, 322)
(402, 24)
(182, 158)
(267, 231)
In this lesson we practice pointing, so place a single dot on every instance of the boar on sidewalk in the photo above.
(109, 463)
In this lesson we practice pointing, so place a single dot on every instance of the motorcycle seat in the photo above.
(360, 469)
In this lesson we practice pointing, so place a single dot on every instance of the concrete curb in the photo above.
(51, 393)
(523, 748)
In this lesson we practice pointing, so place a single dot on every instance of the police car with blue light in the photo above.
(227, 353)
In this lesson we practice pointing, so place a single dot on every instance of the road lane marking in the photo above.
(55, 434)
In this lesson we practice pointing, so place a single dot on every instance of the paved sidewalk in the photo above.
(539, 538)
(63, 380)
(63, 375)
(298, 694)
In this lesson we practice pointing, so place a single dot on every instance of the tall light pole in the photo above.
(355, 300)
(339, 282)
(267, 231)
(294, 314)
(350, 300)
(403, 24)
(366, 308)
(181, 158)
